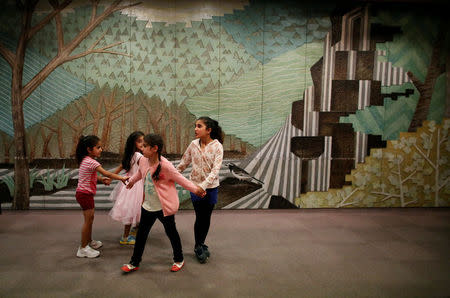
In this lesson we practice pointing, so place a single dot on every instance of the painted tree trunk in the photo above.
(447, 87)
(21, 168)
(21, 199)
(427, 87)
(7, 143)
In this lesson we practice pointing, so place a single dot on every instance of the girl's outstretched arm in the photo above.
(133, 179)
(175, 176)
(106, 173)
(119, 168)
(104, 180)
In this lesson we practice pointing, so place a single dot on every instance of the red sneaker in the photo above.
(127, 268)
(177, 266)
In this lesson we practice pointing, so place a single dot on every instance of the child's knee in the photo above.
(89, 217)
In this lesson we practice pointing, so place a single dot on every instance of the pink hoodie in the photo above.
(165, 186)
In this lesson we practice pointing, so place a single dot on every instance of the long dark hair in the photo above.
(130, 148)
(155, 140)
(216, 130)
(85, 142)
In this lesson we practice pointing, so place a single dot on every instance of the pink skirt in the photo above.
(128, 202)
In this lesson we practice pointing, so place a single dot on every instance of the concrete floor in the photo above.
(264, 253)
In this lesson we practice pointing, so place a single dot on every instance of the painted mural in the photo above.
(321, 105)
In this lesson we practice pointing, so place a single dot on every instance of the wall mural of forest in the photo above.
(330, 105)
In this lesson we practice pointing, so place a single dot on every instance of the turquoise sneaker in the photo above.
(133, 231)
(131, 240)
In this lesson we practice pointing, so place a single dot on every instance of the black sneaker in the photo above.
(205, 250)
(200, 254)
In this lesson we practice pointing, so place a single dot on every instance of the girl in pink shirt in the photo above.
(206, 155)
(89, 148)
(160, 200)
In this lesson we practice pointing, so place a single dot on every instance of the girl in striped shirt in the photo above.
(89, 148)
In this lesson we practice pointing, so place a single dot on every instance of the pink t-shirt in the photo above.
(87, 175)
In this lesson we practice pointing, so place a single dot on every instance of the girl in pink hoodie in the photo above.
(160, 200)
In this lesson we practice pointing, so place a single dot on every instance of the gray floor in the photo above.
(265, 253)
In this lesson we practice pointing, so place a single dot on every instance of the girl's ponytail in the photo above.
(85, 142)
(155, 175)
(155, 140)
(216, 130)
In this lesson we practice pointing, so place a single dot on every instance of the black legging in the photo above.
(203, 210)
(147, 220)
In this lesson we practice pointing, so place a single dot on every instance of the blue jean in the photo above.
(203, 210)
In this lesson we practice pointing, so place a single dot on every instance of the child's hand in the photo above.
(129, 184)
(124, 179)
(106, 180)
(200, 192)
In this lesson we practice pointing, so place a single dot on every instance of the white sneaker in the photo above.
(87, 252)
(96, 244)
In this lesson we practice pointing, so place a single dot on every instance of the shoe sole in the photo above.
(178, 269)
(83, 256)
(126, 272)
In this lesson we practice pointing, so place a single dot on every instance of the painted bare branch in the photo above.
(7, 54)
(47, 19)
(94, 9)
(59, 33)
(59, 134)
(99, 50)
(64, 53)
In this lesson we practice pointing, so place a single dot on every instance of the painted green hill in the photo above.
(254, 113)
(268, 29)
